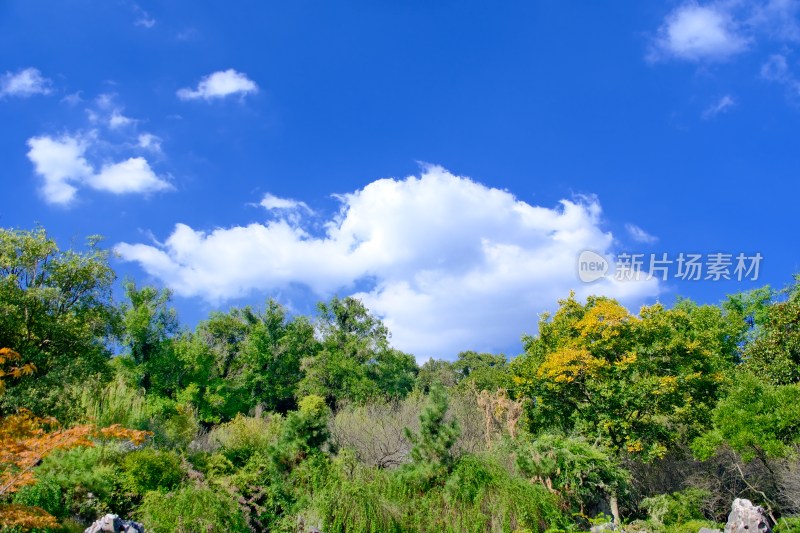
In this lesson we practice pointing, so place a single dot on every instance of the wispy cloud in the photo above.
(219, 85)
(449, 263)
(639, 235)
(272, 202)
(143, 18)
(24, 83)
(777, 70)
(150, 142)
(720, 106)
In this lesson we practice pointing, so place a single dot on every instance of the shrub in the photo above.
(82, 470)
(191, 509)
(676, 508)
(149, 469)
(788, 524)
(583, 474)
(245, 436)
(46, 493)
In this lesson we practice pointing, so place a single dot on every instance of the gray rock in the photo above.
(112, 523)
(709, 530)
(747, 518)
(602, 528)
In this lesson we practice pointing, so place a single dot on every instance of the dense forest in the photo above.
(261, 420)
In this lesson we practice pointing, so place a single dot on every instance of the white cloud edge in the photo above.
(219, 85)
(24, 83)
(639, 235)
(455, 264)
(62, 163)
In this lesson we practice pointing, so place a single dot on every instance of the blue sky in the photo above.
(447, 162)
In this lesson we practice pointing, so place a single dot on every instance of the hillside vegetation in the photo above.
(261, 420)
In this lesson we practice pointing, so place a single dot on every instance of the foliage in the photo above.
(45, 494)
(25, 440)
(478, 496)
(149, 469)
(640, 384)
(190, 509)
(482, 371)
(354, 361)
(676, 508)
(584, 475)
(244, 436)
(12, 367)
(304, 433)
(431, 452)
(755, 419)
(16, 517)
(56, 312)
(774, 352)
(116, 402)
(789, 524)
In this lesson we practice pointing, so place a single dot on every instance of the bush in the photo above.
(149, 469)
(91, 469)
(676, 508)
(245, 436)
(190, 510)
(478, 496)
(46, 493)
(789, 524)
(585, 475)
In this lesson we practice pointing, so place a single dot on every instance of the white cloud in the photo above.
(148, 141)
(452, 264)
(639, 235)
(73, 98)
(697, 33)
(720, 106)
(118, 120)
(272, 202)
(24, 83)
(63, 165)
(131, 176)
(219, 85)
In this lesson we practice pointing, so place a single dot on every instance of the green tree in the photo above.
(150, 324)
(354, 361)
(485, 371)
(774, 351)
(56, 312)
(756, 419)
(432, 451)
(638, 384)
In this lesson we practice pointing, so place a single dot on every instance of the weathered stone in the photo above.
(747, 518)
(709, 530)
(112, 523)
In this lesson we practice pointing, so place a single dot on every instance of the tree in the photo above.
(149, 325)
(25, 440)
(431, 452)
(638, 384)
(354, 361)
(774, 351)
(56, 312)
(485, 371)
